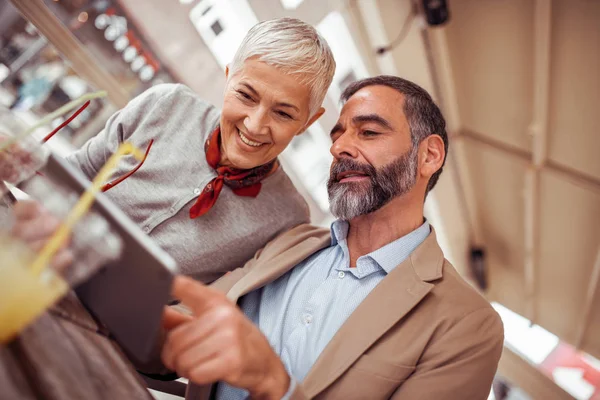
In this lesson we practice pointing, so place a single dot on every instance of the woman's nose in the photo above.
(257, 123)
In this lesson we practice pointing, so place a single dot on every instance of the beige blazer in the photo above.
(422, 333)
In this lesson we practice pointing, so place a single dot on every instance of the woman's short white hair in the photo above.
(294, 46)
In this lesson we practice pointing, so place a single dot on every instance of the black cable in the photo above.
(401, 36)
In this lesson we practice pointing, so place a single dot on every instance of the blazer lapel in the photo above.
(226, 282)
(272, 261)
(394, 297)
(272, 268)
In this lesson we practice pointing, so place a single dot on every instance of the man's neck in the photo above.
(372, 231)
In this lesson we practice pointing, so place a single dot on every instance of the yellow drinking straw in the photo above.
(85, 202)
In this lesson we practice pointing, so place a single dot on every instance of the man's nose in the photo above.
(345, 146)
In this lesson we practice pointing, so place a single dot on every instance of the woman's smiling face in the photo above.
(264, 108)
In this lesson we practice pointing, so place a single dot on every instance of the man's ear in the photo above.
(315, 117)
(432, 153)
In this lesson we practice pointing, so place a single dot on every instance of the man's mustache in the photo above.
(347, 164)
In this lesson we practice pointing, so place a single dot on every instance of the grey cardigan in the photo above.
(159, 195)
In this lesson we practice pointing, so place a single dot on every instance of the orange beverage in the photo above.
(24, 295)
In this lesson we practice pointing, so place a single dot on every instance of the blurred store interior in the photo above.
(517, 210)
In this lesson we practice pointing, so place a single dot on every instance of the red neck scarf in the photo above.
(243, 182)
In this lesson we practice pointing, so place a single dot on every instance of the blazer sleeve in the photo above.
(462, 364)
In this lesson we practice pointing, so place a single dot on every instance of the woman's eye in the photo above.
(284, 115)
(244, 95)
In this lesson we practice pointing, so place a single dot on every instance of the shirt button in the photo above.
(172, 210)
(341, 274)
(308, 319)
(197, 191)
(147, 229)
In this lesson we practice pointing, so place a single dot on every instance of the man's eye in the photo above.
(370, 133)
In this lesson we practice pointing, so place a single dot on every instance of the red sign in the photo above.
(565, 356)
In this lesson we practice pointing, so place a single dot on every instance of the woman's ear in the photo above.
(315, 117)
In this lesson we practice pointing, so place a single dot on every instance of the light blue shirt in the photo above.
(300, 312)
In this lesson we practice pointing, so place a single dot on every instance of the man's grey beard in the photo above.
(351, 199)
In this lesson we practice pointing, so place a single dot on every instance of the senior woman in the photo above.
(211, 191)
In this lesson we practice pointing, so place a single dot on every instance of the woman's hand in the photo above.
(34, 225)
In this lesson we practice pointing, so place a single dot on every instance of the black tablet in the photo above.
(128, 295)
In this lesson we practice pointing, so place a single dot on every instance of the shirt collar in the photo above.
(392, 254)
(339, 231)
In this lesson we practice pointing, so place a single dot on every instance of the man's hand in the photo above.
(34, 225)
(218, 343)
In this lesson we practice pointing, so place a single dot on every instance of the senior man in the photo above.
(369, 309)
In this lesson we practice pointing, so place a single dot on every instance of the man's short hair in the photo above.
(294, 46)
(423, 115)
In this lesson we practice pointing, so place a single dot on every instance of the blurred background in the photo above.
(517, 209)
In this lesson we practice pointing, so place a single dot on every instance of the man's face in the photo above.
(374, 158)
(264, 108)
